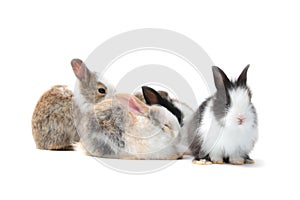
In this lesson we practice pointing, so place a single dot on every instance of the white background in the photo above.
(39, 39)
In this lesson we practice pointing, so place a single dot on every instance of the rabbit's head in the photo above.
(232, 101)
(153, 97)
(158, 115)
(89, 89)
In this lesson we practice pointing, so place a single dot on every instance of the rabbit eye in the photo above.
(167, 125)
(101, 90)
(166, 128)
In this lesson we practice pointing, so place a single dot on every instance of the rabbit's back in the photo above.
(52, 122)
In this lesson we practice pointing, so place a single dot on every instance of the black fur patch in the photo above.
(153, 97)
(221, 102)
(173, 109)
(196, 141)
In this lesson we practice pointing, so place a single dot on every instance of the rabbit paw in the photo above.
(249, 161)
(236, 162)
(202, 162)
(218, 162)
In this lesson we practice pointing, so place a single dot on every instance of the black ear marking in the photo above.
(242, 80)
(153, 97)
(221, 80)
(222, 97)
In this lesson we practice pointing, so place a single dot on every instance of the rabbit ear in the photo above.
(133, 104)
(164, 95)
(242, 80)
(80, 69)
(221, 80)
(151, 96)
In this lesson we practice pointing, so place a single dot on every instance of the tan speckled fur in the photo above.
(110, 130)
(52, 121)
(119, 125)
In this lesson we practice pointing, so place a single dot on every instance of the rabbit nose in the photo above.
(241, 120)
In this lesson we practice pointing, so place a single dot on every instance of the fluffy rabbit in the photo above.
(176, 107)
(52, 121)
(162, 98)
(179, 109)
(224, 128)
(121, 127)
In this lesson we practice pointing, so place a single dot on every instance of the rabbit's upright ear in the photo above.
(80, 70)
(133, 104)
(151, 96)
(221, 80)
(242, 80)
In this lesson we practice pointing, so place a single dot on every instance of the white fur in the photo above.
(157, 143)
(226, 138)
(111, 89)
(209, 129)
(80, 100)
(62, 89)
(182, 139)
(79, 147)
(184, 108)
(240, 107)
(167, 118)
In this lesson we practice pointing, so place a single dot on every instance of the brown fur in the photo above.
(52, 122)
(109, 124)
(140, 96)
(89, 89)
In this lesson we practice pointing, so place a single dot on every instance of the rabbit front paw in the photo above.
(202, 162)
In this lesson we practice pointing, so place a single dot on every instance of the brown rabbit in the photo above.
(53, 125)
(52, 120)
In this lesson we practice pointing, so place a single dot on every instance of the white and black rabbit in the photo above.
(162, 98)
(179, 109)
(150, 96)
(224, 128)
